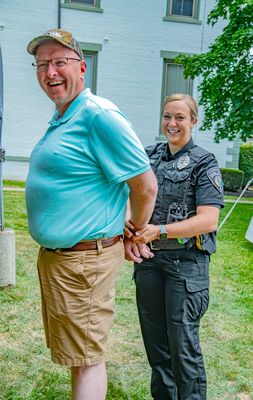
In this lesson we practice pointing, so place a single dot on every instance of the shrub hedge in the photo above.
(232, 179)
(246, 161)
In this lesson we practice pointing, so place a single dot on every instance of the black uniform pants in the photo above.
(172, 296)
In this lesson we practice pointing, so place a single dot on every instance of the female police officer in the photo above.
(172, 283)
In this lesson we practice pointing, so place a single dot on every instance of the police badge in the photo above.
(183, 162)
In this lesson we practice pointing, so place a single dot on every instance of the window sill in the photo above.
(82, 7)
(161, 138)
(187, 20)
(17, 158)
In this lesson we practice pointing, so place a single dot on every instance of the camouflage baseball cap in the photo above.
(59, 35)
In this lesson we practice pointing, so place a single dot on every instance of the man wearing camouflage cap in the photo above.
(81, 174)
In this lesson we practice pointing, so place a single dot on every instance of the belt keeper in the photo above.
(99, 246)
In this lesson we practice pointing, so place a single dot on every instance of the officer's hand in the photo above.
(147, 234)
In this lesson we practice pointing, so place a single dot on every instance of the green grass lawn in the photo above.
(27, 373)
(20, 184)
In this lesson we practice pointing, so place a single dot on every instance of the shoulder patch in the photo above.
(214, 176)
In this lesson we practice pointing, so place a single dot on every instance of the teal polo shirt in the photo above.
(76, 185)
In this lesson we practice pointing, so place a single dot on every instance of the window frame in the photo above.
(168, 58)
(83, 7)
(183, 18)
(92, 49)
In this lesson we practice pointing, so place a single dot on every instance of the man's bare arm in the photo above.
(143, 190)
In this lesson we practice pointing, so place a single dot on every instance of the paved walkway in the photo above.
(240, 201)
(14, 189)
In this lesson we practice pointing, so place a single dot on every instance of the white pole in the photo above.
(7, 236)
(1, 150)
(228, 214)
(7, 258)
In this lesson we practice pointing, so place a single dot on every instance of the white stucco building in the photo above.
(129, 46)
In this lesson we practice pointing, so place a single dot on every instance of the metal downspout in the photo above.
(59, 15)
(2, 151)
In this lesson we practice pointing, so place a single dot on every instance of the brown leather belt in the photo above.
(90, 244)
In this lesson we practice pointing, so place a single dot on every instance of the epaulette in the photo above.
(155, 148)
(198, 153)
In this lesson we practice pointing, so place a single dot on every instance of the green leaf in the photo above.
(226, 72)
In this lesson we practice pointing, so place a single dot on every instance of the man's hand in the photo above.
(136, 251)
(129, 227)
(147, 234)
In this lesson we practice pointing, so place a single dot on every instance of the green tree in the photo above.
(226, 71)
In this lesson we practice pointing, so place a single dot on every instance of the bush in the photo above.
(246, 161)
(232, 179)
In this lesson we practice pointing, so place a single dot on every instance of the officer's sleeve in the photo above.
(116, 147)
(208, 182)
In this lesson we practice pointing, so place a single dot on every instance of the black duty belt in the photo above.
(171, 244)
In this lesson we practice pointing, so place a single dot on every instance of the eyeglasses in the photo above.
(58, 63)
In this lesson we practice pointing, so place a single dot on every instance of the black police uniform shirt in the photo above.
(191, 175)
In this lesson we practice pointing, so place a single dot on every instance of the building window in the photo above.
(91, 60)
(182, 7)
(173, 78)
(90, 2)
(85, 5)
(90, 52)
(174, 81)
(183, 11)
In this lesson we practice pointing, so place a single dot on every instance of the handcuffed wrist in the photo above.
(136, 228)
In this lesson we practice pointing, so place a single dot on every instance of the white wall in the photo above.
(132, 34)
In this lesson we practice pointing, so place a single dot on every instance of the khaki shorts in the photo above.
(78, 293)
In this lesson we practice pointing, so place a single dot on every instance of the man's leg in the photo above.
(78, 291)
(89, 383)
